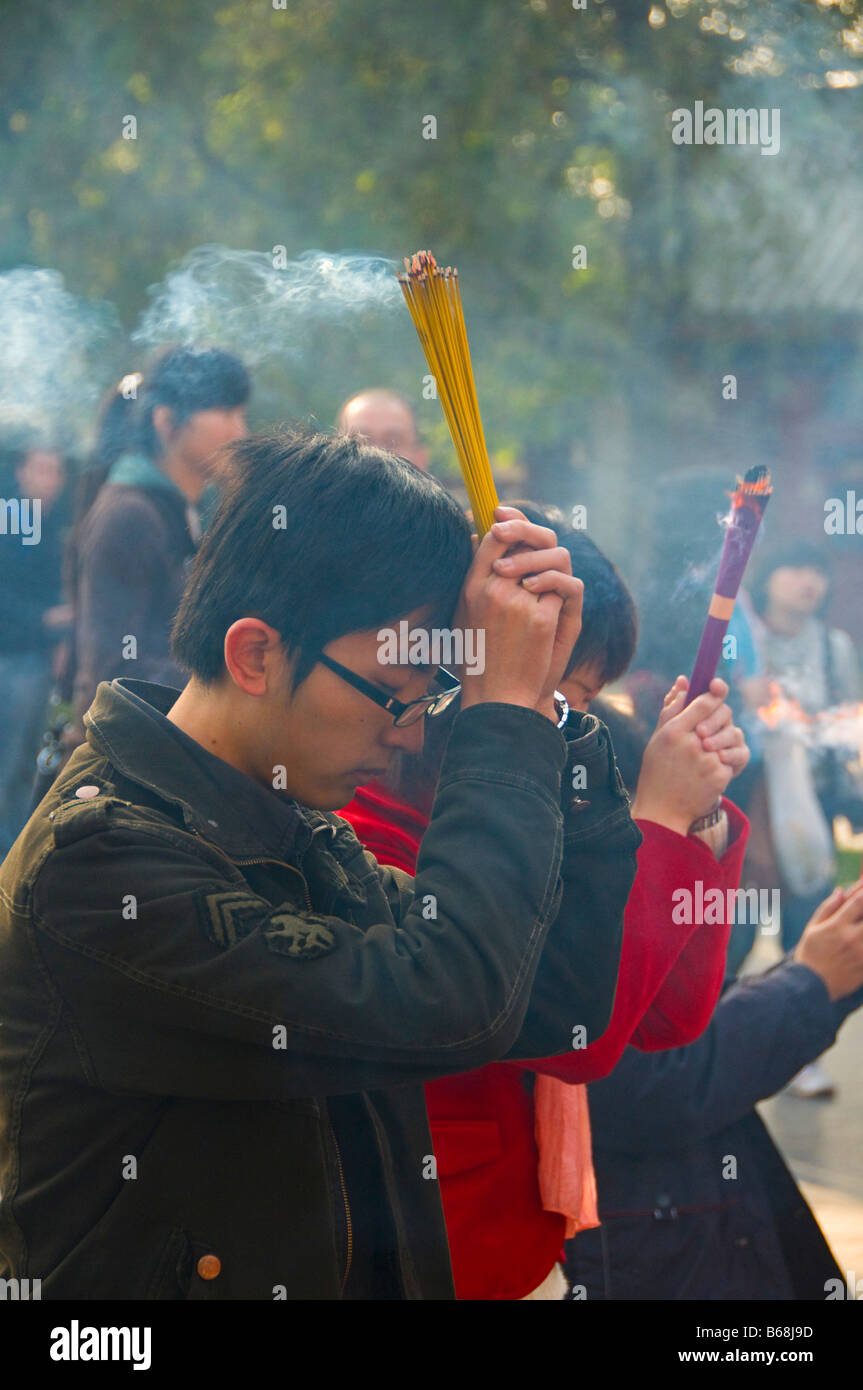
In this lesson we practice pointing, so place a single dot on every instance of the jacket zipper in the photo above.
(348, 1224)
(240, 863)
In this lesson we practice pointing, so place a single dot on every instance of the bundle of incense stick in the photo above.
(748, 504)
(434, 299)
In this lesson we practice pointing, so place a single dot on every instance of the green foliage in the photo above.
(303, 127)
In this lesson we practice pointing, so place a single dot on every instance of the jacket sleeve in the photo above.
(683, 1006)
(574, 990)
(393, 831)
(765, 1028)
(209, 991)
(114, 594)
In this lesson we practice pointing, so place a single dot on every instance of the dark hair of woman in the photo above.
(787, 554)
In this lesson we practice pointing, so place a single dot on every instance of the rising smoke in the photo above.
(258, 303)
(54, 349)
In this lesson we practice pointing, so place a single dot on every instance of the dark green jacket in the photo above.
(218, 1011)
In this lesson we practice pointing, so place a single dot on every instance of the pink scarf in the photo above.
(567, 1183)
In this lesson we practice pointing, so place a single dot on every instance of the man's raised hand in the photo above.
(521, 590)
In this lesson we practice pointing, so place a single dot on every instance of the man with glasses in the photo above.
(403, 715)
(218, 1011)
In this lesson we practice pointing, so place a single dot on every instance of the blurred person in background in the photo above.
(802, 660)
(111, 441)
(33, 618)
(387, 420)
(813, 663)
(63, 734)
(134, 544)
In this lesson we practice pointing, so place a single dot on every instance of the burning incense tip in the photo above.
(757, 474)
(753, 489)
(433, 297)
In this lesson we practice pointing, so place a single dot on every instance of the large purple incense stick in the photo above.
(747, 508)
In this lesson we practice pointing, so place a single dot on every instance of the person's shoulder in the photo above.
(122, 504)
(842, 641)
(85, 849)
(91, 796)
(38, 864)
(124, 523)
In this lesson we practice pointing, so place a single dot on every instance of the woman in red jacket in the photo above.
(504, 1242)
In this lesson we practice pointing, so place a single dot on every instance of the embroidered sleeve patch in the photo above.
(302, 938)
(227, 917)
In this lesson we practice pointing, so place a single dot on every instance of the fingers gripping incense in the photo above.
(434, 300)
(748, 505)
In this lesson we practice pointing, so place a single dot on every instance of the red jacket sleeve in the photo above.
(670, 971)
(684, 1005)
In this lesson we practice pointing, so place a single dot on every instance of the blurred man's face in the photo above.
(582, 685)
(798, 589)
(201, 436)
(41, 475)
(386, 425)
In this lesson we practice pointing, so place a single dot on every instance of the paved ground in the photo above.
(823, 1139)
(841, 1219)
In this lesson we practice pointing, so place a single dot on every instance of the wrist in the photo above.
(473, 693)
(554, 709)
(708, 820)
(714, 835)
(660, 815)
(491, 698)
(834, 991)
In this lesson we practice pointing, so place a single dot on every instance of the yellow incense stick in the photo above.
(434, 300)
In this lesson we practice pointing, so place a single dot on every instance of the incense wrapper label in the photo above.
(721, 607)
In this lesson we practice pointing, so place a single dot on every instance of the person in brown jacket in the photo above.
(135, 542)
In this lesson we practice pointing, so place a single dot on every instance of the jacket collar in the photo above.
(136, 470)
(126, 723)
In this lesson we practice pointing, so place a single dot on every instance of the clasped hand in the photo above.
(691, 757)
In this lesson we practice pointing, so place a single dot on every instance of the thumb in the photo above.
(851, 910)
(673, 702)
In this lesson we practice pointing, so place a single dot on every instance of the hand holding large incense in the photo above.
(434, 299)
(527, 603)
(691, 757)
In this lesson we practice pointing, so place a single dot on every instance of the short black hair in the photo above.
(186, 379)
(13, 452)
(609, 622)
(367, 538)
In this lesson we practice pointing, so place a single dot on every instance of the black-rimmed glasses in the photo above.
(403, 714)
